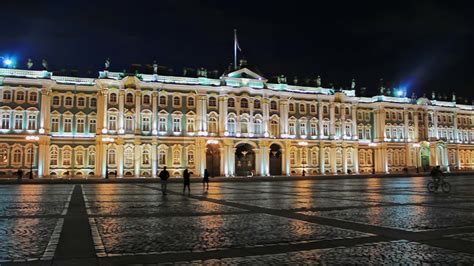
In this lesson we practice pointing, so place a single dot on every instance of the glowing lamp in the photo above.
(7, 62)
(104, 131)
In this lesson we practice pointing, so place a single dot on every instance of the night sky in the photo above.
(423, 45)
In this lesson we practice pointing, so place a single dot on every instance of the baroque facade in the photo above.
(236, 125)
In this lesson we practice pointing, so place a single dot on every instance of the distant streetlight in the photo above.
(7, 62)
(32, 139)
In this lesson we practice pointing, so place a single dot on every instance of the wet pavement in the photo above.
(341, 221)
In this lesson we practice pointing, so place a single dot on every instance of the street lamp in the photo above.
(7, 62)
(107, 142)
(303, 143)
(32, 139)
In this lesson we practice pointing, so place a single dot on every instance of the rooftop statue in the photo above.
(318, 81)
(29, 64)
(44, 63)
(353, 84)
(107, 64)
(155, 67)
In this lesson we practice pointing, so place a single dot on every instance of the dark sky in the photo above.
(424, 45)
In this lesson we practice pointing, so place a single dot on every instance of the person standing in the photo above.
(205, 180)
(19, 174)
(164, 175)
(186, 181)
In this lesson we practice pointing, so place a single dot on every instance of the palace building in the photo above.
(240, 123)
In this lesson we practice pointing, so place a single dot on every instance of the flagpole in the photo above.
(235, 49)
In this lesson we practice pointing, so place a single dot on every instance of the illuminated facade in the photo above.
(233, 126)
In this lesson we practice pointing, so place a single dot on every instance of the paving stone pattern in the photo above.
(339, 221)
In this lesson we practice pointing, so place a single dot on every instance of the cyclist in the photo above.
(437, 175)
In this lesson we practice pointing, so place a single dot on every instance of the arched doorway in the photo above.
(244, 160)
(425, 158)
(275, 159)
(213, 159)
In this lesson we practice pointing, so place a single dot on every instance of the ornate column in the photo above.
(416, 129)
(406, 125)
(379, 125)
(204, 115)
(344, 159)
(154, 158)
(121, 112)
(138, 157)
(458, 157)
(354, 122)
(45, 111)
(355, 156)
(43, 156)
(99, 158)
(155, 114)
(332, 120)
(138, 122)
(258, 161)
(231, 162)
(321, 159)
(102, 113)
(435, 124)
(283, 118)
(455, 125)
(266, 116)
(120, 157)
(222, 115)
(223, 169)
(333, 160)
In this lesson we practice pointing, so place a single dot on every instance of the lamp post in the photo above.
(107, 142)
(303, 144)
(32, 139)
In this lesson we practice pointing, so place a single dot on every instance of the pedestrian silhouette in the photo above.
(19, 174)
(164, 175)
(205, 180)
(186, 180)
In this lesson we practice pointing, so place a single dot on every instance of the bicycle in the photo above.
(434, 185)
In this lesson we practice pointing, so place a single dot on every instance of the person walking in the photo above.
(205, 180)
(19, 174)
(164, 175)
(186, 180)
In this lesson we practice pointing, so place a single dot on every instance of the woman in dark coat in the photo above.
(205, 180)
(186, 180)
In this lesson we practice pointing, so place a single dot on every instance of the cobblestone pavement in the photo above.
(340, 221)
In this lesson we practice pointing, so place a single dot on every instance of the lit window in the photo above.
(5, 121)
(162, 124)
(112, 122)
(176, 124)
(31, 122)
(55, 124)
(231, 126)
(18, 121)
(17, 156)
(67, 125)
(145, 123)
(212, 125)
(111, 156)
(80, 125)
(212, 102)
(53, 156)
(162, 157)
(92, 126)
(33, 96)
(66, 157)
(190, 125)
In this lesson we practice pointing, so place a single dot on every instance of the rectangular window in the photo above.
(145, 124)
(314, 130)
(6, 121)
(162, 124)
(55, 124)
(303, 129)
(18, 122)
(67, 125)
(112, 123)
(92, 126)
(33, 96)
(80, 125)
(31, 122)
(176, 125)
(129, 123)
(292, 128)
(326, 129)
(190, 125)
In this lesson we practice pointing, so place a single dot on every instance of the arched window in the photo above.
(79, 157)
(66, 156)
(128, 157)
(336, 110)
(162, 100)
(53, 155)
(5, 121)
(256, 104)
(176, 101)
(177, 157)
(231, 126)
(190, 157)
(190, 101)
(292, 157)
(129, 98)
(244, 103)
(93, 102)
(7, 95)
(273, 105)
(212, 102)
(212, 124)
(292, 107)
(244, 125)
(113, 98)
(30, 156)
(304, 156)
(68, 101)
(146, 99)
(33, 96)
(190, 124)
(146, 157)
(91, 155)
(111, 156)
(56, 100)
(162, 157)
(231, 102)
(325, 109)
(81, 102)
(3, 155)
(258, 126)
(17, 156)
(274, 128)
(20, 96)
(314, 158)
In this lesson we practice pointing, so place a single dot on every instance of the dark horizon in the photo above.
(420, 45)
